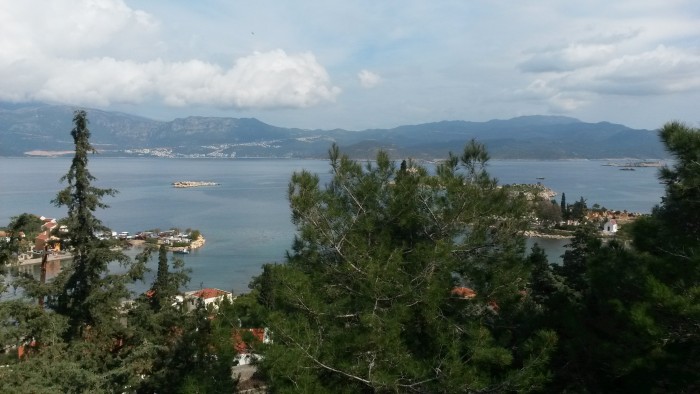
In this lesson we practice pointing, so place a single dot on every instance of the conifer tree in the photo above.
(366, 299)
(87, 290)
(564, 208)
(637, 326)
(162, 290)
(579, 210)
(585, 243)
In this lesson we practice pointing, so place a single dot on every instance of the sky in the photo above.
(357, 64)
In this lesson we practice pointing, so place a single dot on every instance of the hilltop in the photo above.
(42, 127)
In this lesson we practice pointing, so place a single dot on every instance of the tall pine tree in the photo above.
(367, 300)
(637, 326)
(88, 293)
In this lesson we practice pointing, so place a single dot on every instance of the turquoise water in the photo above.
(246, 219)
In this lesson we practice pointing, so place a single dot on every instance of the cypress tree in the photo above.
(84, 289)
(564, 210)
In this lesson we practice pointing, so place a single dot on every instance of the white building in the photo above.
(209, 296)
(610, 226)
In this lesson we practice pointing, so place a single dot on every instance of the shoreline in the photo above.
(51, 258)
(537, 234)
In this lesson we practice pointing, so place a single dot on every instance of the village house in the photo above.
(45, 238)
(209, 296)
(244, 363)
(244, 348)
(610, 226)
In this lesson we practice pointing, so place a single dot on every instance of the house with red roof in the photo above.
(45, 237)
(209, 296)
(244, 341)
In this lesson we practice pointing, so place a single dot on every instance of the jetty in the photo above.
(185, 184)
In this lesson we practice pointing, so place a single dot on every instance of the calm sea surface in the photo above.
(246, 219)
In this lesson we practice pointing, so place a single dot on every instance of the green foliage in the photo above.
(578, 210)
(564, 207)
(548, 213)
(635, 323)
(88, 293)
(195, 234)
(92, 338)
(585, 243)
(27, 223)
(364, 302)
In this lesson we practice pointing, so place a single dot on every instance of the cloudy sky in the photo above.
(358, 64)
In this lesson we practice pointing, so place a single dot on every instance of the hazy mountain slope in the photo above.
(30, 127)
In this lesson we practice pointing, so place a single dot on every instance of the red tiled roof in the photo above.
(239, 345)
(463, 292)
(493, 306)
(209, 293)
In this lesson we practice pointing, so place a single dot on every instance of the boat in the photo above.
(182, 251)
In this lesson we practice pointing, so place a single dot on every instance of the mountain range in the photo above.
(45, 129)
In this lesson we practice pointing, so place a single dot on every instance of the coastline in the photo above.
(536, 234)
(198, 243)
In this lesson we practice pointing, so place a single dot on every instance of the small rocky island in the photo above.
(185, 184)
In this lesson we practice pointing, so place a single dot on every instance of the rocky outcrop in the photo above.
(184, 184)
(536, 234)
(198, 243)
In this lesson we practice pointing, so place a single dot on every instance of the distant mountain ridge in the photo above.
(41, 127)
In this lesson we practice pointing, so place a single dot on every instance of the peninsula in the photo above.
(185, 184)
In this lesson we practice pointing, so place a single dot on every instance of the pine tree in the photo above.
(87, 291)
(83, 342)
(579, 210)
(637, 326)
(585, 243)
(669, 246)
(366, 299)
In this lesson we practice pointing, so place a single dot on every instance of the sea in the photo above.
(246, 218)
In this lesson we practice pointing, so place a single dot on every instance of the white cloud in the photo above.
(603, 63)
(571, 57)
(263, 80)
(97, 53)
(662, 70)
(67, 28)
(368, 79)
